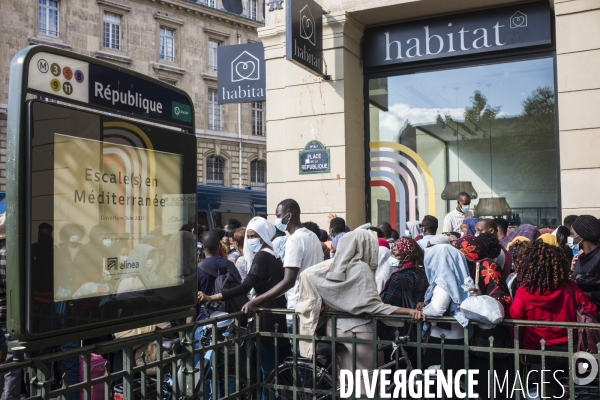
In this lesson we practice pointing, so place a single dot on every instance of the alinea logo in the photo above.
(111, 263)
(181, 112)
(307, 25)
(245, 67)
(519, 20)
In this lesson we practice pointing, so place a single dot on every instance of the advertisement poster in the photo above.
(121, 195)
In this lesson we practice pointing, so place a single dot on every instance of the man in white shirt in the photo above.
(455, 218)
(430, 227)
(302, 250)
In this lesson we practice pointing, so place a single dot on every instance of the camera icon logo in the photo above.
(590, 366)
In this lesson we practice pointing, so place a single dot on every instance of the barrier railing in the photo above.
(219, 359)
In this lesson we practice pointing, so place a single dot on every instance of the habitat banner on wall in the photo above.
(122, 190)
(304, 34)
(483, 31)
(241, 73)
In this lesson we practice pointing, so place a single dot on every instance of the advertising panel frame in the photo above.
(18, 205)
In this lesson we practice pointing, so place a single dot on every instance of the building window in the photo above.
(112, 31)
(167, 44)
(252, 9)
(48, 17)
(215, 171)
(492, 125)
(214, 111)
(258, 119)
(258, 171)
(212, 54)
(210, 3)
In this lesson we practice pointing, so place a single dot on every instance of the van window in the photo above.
(220, 219)
(203, 219)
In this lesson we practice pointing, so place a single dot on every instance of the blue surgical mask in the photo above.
(331, 255)
(465, 209)
(280, 225)
(255, 244)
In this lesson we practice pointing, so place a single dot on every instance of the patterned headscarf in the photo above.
(473, 249)
(404, 246)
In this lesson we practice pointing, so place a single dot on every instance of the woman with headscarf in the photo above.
(470, 224)
(446, 270)
(407, 284)
(346, 283)
(413, 230)
(491, 283)
(530, 232)
(586, 274)
(266, 271)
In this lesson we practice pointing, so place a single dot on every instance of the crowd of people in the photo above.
(534, 275)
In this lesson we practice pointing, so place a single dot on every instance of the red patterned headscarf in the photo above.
(404, 246)
(473, 249)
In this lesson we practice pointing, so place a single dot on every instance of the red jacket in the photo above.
(555, 306)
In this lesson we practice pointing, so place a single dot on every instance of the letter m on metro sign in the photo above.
(241, 73)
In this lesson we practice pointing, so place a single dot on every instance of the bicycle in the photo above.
(324, 365)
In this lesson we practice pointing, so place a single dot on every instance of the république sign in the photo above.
(476, 32)
(304, 34)
(242, 76)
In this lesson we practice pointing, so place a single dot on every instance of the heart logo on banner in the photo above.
(246, 70)
(518, 21)
(307, 27)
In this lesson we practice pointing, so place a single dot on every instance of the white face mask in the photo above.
(394, 262)
(477, 234)
(107, 242)
(74, 239)
(465, 209)
(254, 244)
(407, 233)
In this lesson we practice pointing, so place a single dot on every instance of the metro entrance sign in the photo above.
(117, 192)
(84, 82)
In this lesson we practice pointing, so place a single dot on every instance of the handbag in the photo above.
(586, 338)
(481, 309)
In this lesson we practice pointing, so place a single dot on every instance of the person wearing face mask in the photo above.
(585, 231)
(454, 219)
(266, 271)
(406, 260)
(238, 238)
(302, 250)
(413, 230)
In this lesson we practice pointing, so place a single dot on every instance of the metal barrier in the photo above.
(231, 369)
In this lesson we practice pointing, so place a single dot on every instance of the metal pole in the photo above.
(239, 115)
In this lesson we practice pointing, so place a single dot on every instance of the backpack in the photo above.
(226, 281)
(406, 301)
(97, 370)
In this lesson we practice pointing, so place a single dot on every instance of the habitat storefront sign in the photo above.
(241, 73)
(78, 81)
(496, 29)
(304, 34)
(314, 159)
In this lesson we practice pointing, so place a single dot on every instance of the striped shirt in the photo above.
(454, 220)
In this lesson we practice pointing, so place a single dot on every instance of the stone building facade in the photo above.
(340, 112)
(172, 40)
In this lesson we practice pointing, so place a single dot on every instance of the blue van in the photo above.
(217, 204)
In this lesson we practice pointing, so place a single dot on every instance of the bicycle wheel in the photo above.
(305, 380)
